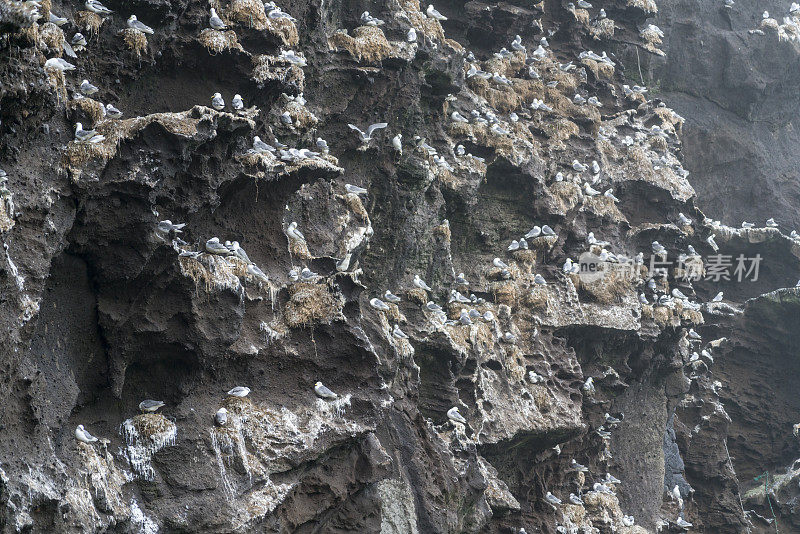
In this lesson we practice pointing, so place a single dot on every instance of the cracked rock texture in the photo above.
(102, 310)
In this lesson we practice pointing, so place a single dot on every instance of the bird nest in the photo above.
(56, 79)
(368, 43)
(6, 220)
(152, 427)
(417, 295)
(87, 108)
(248, 13)
(600, 69)
(216, 41)
(302, 118)
(560, 129)
(353, 202)
(311, 303)
(271, 68)
(611, 287)
(52, 37)
(582, 16)
(88, 21)
(428, 27)
(213, 273)
(299, 249)
(537, 298)
(648, 6)
(602, 29)
(135, 40)
(285, 29)
(504, 292)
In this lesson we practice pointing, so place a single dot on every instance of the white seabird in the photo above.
(168, 226)
(432, 13)
(378, 304)
(90, 136)
(369, 20)
(221, 417)
(135, 24)
(112, 112)
(411, 36)
(547, 231)
(57, 63)
(717, 297)
(237, 103)
(257, 273)
(500, 264)
(149, 405)
(391, 297)
(88, 88)
(354, 189)
(323, 392)
(239, 391)
(552, 499)
(81, 434)
(215, 22)
(420, 283)
(213, 246)
(294, 233)
(456, 417)
(217, 102)
(396, 332)
(367, 137)
(96, 7)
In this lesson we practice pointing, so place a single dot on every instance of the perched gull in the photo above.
(717, 297)
(292, 57)
(58, 64)
(391, 297)
(432, 306)
(588, 386)
(378, 304)
(354, 189)
(307, 274)
(397, 143)
(771, 223)
(134, 23)
(611, 420)
(58, 21)
(294, 233)
(167, 227)
(213, 246)
(411, 36)
(88, 88)
(322, 145)
(83, 136)
(150, 405)
(215, 22)
(547, 231)
(238, 251)
(239, 391)
(685, 221)
(574, 499)
(432, 13)
(420, 283)
(261, 147)
(456, 417)
(323, 392)
(399, 333)
(682, 523)
(500, 264)
(78, 41)
(81, 434)
(217, 102)
(369, 20)
(253, 269)
(552, 499)
(539, 279)
(461, 280)
(221, 417)
(113, 112)
(237, 103)
(96, 7)
(367, 137)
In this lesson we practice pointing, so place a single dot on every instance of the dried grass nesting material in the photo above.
(417, 295)
(560, 129)
(582, 16)
(425, 26)
(87, 107)
(355, 204)
(271, 68)
(368, 43)
(135, 40)
(600, 69)
(52, 38)
(216, 41)
(56, 79)
(648, 6)
(285, 30)
(611, 287)
(248, 13)
(88, 22)
(602, 29)
(311, 303)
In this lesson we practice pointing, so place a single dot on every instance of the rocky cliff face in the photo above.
(589, 386)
